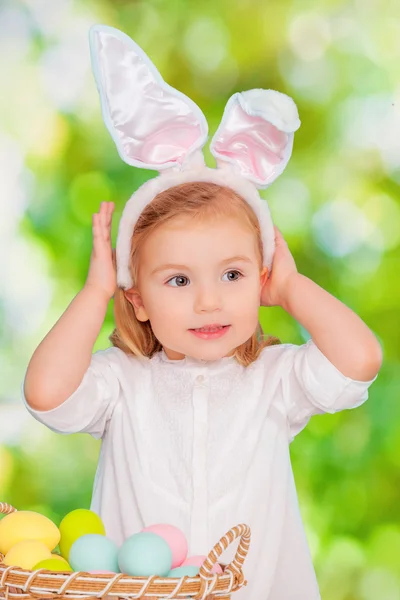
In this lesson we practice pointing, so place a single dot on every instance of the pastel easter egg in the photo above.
(189, 570)
(27, 525)
(58, 557)
(52, 564)
(174, 538)
(77, 523)
(198, 560)
(94, 552)
(145, 554)
(26, 554)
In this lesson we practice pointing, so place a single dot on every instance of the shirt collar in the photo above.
(189, 361)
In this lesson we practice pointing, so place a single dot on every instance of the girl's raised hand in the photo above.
(273, 292)
(102, 274)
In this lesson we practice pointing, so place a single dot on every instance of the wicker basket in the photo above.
(19, 584)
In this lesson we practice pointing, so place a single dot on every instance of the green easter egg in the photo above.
(52, 564)
(77, 523)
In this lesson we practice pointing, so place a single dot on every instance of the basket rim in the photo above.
(80, 585)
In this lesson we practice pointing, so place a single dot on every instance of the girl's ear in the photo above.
(133, 296)
(264, 276)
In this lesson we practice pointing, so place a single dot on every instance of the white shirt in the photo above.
(205, 446)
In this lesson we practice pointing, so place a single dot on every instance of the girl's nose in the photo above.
(208, 299)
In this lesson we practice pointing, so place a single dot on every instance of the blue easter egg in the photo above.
(94, 552)
(188, 570)
(145, 554)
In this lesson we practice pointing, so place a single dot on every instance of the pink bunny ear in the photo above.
(256, 135)
(153, 125)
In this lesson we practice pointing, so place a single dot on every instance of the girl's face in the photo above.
(194, 275)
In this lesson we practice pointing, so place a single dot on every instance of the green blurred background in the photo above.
(337, 205)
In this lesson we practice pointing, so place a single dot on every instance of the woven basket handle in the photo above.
(242, 531)
(6, 509)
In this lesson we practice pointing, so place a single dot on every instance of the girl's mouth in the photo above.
(210, 333)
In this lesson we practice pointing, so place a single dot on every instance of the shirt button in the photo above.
(200, 378)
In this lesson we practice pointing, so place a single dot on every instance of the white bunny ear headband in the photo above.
(157, 127)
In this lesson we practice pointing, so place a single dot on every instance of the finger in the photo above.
(96, 231)
(104, 227)
(108, 219)
(279, 237)
(110, 209)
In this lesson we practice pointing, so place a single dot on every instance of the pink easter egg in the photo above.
(174, 538)
(197, 561)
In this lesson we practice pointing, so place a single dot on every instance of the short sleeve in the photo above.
(311, 385)
(90, 407)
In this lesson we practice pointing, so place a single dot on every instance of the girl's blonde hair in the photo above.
(199, 201)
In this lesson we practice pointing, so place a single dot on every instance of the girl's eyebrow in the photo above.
(184, 267)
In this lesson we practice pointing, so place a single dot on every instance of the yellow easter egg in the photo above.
(53, 564)
(27, 525)
(77, 523)
(26, 554)
(58, 557)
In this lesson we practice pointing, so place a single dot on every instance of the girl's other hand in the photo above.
(273, 292)
(102, 273)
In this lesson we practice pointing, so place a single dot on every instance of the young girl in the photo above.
(195, 411)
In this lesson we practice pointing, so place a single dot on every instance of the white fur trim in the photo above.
(147, 192)
(275, 107)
